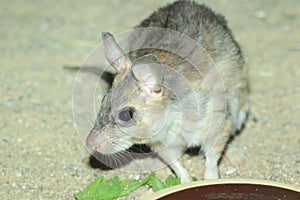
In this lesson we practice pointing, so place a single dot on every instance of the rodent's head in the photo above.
(133, 110)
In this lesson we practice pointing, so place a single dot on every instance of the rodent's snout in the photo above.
(94, 142)
(91, 142)
(101, 142)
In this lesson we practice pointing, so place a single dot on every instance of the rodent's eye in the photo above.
(126, 114)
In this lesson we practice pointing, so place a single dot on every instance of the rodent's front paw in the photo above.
(211, 174)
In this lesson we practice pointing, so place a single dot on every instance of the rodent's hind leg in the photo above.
(234, 155)
(213, 148)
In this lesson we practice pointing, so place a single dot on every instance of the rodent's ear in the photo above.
(114, 54)
(148, 72)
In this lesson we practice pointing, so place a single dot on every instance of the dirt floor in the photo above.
(42, 155)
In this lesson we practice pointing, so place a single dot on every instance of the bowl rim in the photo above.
(183, 186)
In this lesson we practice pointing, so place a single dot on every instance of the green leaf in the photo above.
(171, 181)
(156, 184)
(113, 188)
(131, 185)
(99, 189)
(89, 189)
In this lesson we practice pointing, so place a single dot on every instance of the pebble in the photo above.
(4, 140)
(261, 14)
(9, 103)
(19, 174)
(230, 171)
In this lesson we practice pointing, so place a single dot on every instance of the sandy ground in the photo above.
(42, 156)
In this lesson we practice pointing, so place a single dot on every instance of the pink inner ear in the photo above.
(158, 90)
(149, 77)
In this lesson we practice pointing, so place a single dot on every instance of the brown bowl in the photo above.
(228, 189)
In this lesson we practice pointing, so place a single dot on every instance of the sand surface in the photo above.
(42, 155)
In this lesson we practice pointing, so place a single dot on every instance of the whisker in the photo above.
(83, 121)
(117, 160)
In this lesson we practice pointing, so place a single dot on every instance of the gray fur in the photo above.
(204, 96)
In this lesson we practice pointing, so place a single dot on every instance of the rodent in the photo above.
(172, 102)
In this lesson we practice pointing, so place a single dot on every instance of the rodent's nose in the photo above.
(91, 142)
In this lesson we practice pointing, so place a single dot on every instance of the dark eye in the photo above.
(126, 114)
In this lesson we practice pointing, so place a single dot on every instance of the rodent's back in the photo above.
(211, 32)
(200, 23)
(186, 17)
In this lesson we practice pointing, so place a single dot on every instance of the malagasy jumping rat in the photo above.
(185, 86)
